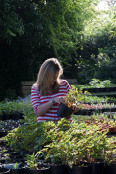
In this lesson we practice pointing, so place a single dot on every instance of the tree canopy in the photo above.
(34, 30)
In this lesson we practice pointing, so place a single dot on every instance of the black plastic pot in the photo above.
(94, 90)
(79, 112)
(58, 169)
(64, 111)
(90, 89)
(5, 116)
(85, 112)
(0, 116)
(16, 159)
(110, 169)
(15, 116)
(2, 161)
(3, 134)
(42, 169)
(113, 109)
(97, 167)
(111, 89)
(15, 170)
(2, 143)
(85, 169)
(21, 115)
(15, 155)
(4, 171)
(112, 131)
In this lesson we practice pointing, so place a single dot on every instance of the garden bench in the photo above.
(26, 86)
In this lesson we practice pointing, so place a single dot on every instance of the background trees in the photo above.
(71, 30)
(98, 49)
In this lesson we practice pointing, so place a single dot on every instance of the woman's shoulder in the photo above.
(35, 86)
(63, 82)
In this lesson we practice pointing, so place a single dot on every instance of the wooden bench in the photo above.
(26, 86)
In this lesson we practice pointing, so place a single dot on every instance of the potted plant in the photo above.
(73, 100)
(95, 151)
(112, 130)
(4, 171)
(54, 153)
(34, 167)
(68, 148)
(110, 156)
(15, 168)
(83, 142)
(76, 155)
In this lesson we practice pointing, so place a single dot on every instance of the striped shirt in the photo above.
(38, 100)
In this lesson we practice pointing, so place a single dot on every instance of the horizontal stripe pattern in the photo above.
(38, 100)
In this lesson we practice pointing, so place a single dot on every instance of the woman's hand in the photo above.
(59, 100)
(42, 109)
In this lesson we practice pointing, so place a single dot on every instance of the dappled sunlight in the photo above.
(102, 6)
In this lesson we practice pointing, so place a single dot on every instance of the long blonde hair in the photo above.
(46, 74)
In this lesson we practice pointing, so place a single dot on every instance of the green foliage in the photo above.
(110, 154)
(107, 63)
(22, 106)
(15, 166)
(31, 136)
(31, 161)
(82, 38)
(96, 146)
(75, 96)
(62, 142)
(97, 37)
(96, 83)
(77, 143)
(32, 31)
(67, 30)
(10, 21)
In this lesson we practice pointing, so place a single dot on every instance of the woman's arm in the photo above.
(42, 109)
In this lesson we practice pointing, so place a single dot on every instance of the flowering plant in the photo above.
(73, 102)
(75, 97)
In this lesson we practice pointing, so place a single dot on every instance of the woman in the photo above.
(49, 91)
